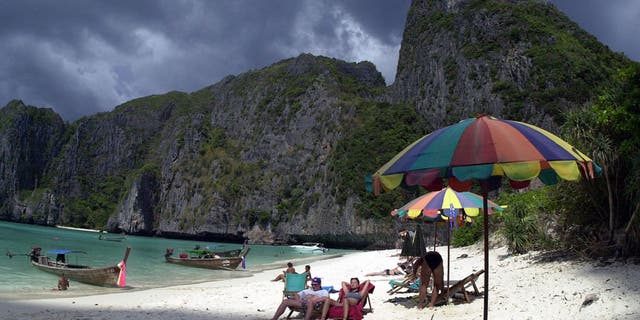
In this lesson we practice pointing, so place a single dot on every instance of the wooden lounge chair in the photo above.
(459, 290)
(356, 312)
(317, 312)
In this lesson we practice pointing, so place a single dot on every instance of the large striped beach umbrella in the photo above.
(487, 149)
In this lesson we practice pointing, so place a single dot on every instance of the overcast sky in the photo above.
(81, 57)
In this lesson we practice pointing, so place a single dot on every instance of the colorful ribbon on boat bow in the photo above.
(122, 276)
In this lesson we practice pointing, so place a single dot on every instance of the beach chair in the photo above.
(293, 283)
(458, 289)
(408, 281)
(411, 283)
(356, 312)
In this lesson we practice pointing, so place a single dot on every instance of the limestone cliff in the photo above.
(516, 59)
(282, 152)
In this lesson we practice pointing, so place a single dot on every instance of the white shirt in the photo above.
(310, 292)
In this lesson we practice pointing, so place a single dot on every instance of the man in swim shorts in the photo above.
(308, 299)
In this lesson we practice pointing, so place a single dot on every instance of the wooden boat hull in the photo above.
(208, 263)
(99, 276)
(222, 263)
(105, 276)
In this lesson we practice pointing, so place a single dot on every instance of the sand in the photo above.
(521, 287)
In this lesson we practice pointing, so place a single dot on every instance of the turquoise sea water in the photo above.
(145, 267)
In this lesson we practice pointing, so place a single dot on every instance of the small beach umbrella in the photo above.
(431, 206)
(485, 148)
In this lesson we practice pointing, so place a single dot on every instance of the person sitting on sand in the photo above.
(430, 265)
(399, 270)
(63, 283)
(352, 296)
(289, 269)
(307, 299)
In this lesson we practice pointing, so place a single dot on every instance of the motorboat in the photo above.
(310, 247)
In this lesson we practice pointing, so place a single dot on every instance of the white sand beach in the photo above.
(520, 288)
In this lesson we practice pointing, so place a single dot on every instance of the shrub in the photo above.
(468, 234)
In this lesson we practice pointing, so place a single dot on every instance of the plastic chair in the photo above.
(412, 285)
(293, 283)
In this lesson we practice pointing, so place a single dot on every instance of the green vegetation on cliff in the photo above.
(569, 66)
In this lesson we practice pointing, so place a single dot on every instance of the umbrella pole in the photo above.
(448, 257)
(485, 213)
(435, 234)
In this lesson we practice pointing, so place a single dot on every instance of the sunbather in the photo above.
(289, 269)
(429, 265)
(307, 299)
(351, 297)
(399, 270)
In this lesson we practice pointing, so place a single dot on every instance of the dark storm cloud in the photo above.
(81, 57)
(615, 23)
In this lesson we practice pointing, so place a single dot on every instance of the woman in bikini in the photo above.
(352, 296)
(399, 270)
(430, 265)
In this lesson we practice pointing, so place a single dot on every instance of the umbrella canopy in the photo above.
(428, 205)
(482, 148)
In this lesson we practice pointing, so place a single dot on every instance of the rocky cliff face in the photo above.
(515, 59)
(274, 153)
(250, 153)
(29, 139)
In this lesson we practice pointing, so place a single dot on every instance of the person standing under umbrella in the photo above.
(430, 265)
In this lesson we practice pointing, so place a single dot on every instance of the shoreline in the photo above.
(80, 289)
(520, 287)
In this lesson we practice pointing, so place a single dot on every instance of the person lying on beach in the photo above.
(351, 297)
(399, 270)
(289, 269)
(307, 299)
(429, 265)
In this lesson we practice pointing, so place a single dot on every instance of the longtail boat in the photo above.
(225, 260)
(110, 276)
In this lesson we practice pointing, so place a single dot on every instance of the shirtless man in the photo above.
(289, 269)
